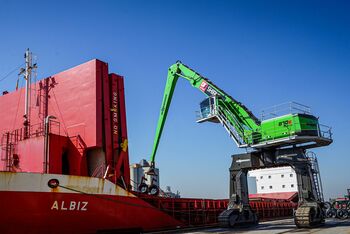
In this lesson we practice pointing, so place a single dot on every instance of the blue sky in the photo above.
(261, 52)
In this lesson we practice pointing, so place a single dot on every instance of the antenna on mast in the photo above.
(27, 71)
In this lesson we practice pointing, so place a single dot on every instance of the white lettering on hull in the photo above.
(115, 113)
(72, 205)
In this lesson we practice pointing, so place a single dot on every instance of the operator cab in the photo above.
(208, 110)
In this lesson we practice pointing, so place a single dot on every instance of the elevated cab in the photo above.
(207, 111)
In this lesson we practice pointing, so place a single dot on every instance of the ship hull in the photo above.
(76, 210)
(82, 204)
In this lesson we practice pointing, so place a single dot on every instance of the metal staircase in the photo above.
(215, 113)
(79, 143)
(231, 130)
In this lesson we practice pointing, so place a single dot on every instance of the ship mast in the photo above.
(28, 79)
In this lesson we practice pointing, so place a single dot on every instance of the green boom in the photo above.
(249, 131)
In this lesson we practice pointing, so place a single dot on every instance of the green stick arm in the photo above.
(168, 94)
(209, 89)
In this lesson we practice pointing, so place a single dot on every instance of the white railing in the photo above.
(283, 109)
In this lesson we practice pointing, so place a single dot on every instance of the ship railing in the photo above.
(54, 127)
(193, 212)
(19, 134)
(35, 130)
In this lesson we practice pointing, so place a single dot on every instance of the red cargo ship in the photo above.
(65, 166)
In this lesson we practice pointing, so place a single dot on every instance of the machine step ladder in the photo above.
(215, 113)
(316, 176)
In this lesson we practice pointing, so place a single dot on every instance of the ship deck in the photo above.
(284, 226)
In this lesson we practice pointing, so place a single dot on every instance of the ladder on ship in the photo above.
(7, 150)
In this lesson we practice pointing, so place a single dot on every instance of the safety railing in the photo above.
(197, 212)
(34, 130)
(283, 109)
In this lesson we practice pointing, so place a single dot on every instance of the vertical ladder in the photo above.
(316, 176)
(7, 148)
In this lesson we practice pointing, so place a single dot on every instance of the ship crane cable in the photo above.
(11, 72)
(19, 100)
(59, 111)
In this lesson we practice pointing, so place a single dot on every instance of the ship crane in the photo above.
(282, 140)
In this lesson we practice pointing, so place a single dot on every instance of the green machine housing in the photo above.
(289, 125)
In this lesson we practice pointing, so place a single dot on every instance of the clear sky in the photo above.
(261, 52)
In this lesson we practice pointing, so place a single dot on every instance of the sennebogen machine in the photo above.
(277, 141)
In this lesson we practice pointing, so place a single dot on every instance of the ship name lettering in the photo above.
(71, 205)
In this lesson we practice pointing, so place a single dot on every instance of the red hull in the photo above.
(40, 212)
(89, 205)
